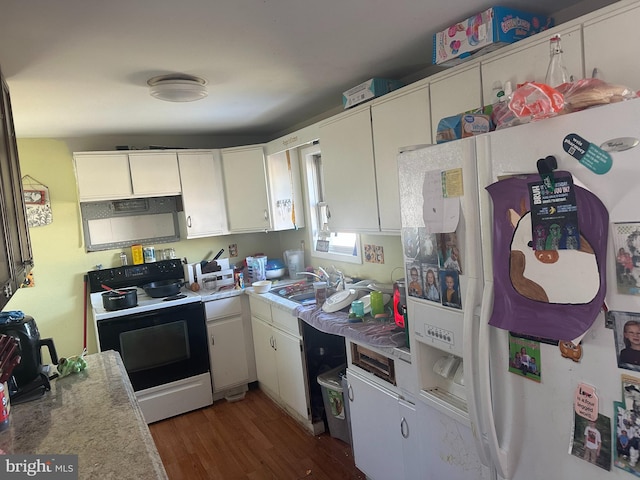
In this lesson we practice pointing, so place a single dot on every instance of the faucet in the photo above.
(315, 275)
(325, 277)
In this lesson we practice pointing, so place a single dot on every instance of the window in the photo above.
(337, 246)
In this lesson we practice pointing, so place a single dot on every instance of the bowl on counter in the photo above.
(261, 286)
(275, 268)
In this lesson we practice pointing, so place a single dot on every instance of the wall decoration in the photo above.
(373, 253)
(34, 197)
(29, 281)
(37, 202)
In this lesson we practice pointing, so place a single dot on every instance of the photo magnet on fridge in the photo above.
(626, 241)
(592, 440)
(626, 328)
(627, 439)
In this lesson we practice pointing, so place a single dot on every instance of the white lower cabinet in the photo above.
(383, 428)
(227, 346)
(280, 363)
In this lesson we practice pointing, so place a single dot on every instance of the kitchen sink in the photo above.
(305, 298)
(302, 294)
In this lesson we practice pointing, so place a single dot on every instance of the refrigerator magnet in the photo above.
(586, 402)
(588, 154)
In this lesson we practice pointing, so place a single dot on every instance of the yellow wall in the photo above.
(56, 302)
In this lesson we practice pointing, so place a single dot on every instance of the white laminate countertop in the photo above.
(367, 333)
(93, 414)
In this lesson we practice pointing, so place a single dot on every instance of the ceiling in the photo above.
(79, 68)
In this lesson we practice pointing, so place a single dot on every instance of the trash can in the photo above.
(334, 403)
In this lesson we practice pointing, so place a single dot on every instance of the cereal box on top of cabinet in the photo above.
(372, 88)
(485, 32)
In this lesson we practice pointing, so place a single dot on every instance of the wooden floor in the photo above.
(248, 439)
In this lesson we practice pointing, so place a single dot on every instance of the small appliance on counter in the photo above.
(30, 377)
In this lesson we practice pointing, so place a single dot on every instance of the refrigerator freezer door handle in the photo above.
(489, 432)
(471, 380)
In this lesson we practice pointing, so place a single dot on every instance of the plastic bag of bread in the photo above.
(589, 92)
(535, 101)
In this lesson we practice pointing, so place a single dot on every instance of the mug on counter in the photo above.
(357, 308)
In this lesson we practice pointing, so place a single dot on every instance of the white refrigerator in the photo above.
(479, 420)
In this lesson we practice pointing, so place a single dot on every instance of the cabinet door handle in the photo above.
(349, 392)
(189, 221)
(212, 341)
(275, 344)
(266, 214)
(404, 428)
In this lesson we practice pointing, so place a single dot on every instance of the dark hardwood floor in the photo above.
(249, 439)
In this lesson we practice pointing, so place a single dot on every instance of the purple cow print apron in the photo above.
(554, 294)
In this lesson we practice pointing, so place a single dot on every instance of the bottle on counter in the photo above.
(123, 259)
(556, 72)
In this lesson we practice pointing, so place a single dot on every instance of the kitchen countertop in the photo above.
(384, 336)
(93, 414)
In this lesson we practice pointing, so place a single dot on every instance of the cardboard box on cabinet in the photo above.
(372, 88)
(485, 32)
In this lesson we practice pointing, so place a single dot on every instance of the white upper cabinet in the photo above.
(399, 119)
(102, 176)
(287, 208)
(202, 193)
(527, 60)
(610, 45)
(154, 173)
(455, 92)
(245, 185)
(115, 175)
(349, 171)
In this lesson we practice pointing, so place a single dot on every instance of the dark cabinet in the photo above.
(16, 259)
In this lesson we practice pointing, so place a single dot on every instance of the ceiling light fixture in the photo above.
(177, 87)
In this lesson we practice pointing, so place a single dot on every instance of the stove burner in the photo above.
(174, 297)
